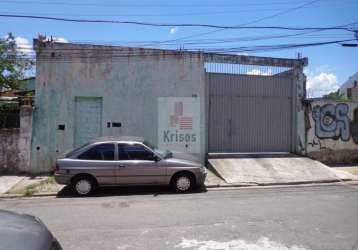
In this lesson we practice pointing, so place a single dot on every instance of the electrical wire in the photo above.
(161, 5)
(170, 24)
(166, 14)
(251, 22)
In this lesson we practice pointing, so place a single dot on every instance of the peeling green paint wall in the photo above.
(130, 87)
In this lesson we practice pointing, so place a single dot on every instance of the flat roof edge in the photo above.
(254, 60)
(209, 57)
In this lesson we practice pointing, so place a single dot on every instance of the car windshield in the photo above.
(69, 153)
(161, 152)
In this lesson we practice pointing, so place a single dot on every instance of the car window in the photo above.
(74, 151)
(103, 152)
(138, 152)
(122, 154)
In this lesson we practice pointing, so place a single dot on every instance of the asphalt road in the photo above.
(316, 217)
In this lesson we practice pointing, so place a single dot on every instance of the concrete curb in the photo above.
(4, 196)
(277, 183)
(226, 185)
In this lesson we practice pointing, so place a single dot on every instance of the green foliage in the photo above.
(335, 96)
(13, 63)
(42, 186)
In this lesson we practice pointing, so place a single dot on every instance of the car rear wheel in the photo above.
(183, 183)
(84, 185)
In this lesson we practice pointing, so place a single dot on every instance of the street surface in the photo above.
(311, 217)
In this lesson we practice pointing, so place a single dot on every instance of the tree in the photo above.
(13, 63)
(335, 96)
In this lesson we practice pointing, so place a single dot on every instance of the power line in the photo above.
(278, 47)
(251, 22)
(107, 54)
(166, 14)
(169, 24)
(295, 35)
(211, 41)
(161, 5)
(209, 13)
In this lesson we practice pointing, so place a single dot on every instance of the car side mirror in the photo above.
(155, 158)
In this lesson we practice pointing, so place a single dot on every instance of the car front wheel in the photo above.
(183, 183)
(84, 186)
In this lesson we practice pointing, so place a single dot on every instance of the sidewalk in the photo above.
(351, 169)
(24, 186)
(8, 182)
(271, 170)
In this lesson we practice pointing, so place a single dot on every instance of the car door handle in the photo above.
(121, 166)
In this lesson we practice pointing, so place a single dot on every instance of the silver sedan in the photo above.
(125, 161)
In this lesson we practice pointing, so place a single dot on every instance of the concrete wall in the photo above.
(299, 110)
(130, 82)
(332, 131)
(129, 85)
(15, 145)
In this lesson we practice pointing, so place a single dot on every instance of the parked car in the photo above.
(125, 161)
(22, 231)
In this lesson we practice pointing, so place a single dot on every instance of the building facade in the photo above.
(188, 102)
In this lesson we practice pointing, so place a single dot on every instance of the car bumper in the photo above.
(200, 179)
(62, 178)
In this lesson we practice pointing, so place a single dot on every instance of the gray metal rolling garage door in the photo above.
(250, 113)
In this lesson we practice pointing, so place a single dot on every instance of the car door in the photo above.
(99, 161)
(138, 165)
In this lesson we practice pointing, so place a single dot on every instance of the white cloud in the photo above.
(173, 30)
(59, 40)
(23, 45)
(321, 83)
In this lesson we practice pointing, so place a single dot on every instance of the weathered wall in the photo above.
(332, 134)
(129, 85)
(299, 111)
(15, 145)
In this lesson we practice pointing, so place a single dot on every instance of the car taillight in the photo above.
(57, 168)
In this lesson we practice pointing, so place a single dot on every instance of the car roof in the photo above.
(22, 231)
(117, 139)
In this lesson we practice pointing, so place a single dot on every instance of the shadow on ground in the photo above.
(67, 192)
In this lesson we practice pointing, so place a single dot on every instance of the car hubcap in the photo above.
(83, 187)
(183, 183)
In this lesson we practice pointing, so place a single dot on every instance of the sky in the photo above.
(329, 65)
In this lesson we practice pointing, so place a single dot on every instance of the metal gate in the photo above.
(88, 119)
(250, 113)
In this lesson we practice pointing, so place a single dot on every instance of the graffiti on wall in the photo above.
(317, 142)
(332, 121)
(354, 126)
